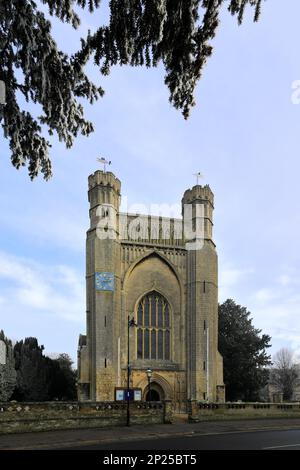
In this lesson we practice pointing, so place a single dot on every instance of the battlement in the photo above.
(101, 178)
(198, 193)
(104, 189)
(151, 229)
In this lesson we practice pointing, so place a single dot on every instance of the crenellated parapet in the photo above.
(104, 188)
(199, 194)
(198, 205)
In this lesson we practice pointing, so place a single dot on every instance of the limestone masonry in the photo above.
(141, 267)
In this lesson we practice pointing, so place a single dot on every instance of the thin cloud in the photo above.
(277, 312)
(61, 228)
(55, 290)
(230, 280)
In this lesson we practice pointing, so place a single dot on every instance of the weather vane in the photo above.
(104, 163)
(198, 176)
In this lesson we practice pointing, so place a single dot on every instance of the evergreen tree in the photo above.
(176, 33)
(33, 371)
(244, 353)
(7, 369)
(63, 379)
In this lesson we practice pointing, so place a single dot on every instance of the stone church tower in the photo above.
(163, 273)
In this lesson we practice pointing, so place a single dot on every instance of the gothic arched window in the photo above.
(153, 327)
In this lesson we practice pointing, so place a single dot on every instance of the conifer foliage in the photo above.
(244, 351)
(140, 32)
(7, 369)
(32, 371)
(40, 378)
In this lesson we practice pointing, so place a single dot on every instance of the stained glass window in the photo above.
(146, 312)
(160, 312)
(160, 344)
(153, 344)
(167, 344)
(167, 318)
(146, 344)
(140, 344)
(153, 310)
(154, 328)
(140, 314)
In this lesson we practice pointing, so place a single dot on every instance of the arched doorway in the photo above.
(152, 395)
(155, 393)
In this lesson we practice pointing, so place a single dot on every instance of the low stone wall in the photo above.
(198, 411)
(45, 416)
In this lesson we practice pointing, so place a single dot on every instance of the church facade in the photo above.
(161, 275)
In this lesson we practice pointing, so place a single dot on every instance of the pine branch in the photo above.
(177, 33)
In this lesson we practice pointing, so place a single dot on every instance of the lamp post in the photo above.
(130, 323)
(149, 375)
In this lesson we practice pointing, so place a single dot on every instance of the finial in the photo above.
(104, 162)
(198, 176)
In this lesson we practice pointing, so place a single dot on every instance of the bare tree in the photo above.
(284, 374)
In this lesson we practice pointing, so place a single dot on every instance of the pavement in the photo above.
(254, 440)
(107, 438)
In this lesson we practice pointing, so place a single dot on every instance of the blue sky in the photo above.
(243, 135)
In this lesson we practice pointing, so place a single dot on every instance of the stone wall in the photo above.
(31, 417)
(198, 411)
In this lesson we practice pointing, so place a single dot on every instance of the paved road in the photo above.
(262, 440)
(238, 434)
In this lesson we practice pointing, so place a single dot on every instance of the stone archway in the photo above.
(158, 383)
(154, 393)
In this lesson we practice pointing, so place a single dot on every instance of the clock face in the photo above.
(105, 281)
